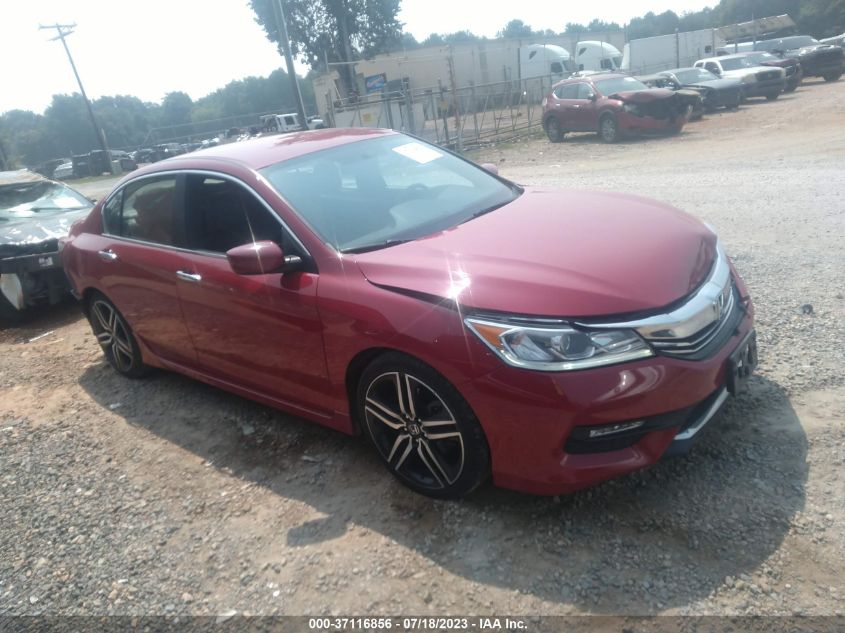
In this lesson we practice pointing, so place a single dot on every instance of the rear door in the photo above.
(262, 332)
(137, 259)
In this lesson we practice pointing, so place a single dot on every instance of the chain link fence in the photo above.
(463, 118)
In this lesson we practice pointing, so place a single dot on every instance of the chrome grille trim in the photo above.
(707, 307)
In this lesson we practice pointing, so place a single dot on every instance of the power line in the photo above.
(62, 31)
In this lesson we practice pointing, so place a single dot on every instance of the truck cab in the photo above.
(597, 56)
(544, 60)
(283, 123)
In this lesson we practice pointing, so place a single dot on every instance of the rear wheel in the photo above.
(9, 314)
(772, 96)
(553, 130)
(424, 431)
(608, 129)
(115, 338)
(832, 76)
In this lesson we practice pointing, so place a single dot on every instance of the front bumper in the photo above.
(33, 279)
(631, 125)
(532, 419)
(763, 88)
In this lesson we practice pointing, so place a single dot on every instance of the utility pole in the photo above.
(62, 31)
(284, 42)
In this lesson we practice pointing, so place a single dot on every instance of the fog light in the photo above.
(615, 428)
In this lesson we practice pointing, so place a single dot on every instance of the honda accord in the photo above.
(469, 327)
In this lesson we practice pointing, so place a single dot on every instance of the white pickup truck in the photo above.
(281, 123)
(757, 81)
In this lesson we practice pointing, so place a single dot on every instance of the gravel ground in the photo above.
(165, 496)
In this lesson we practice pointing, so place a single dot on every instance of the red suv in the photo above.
(613, 106)
(376, 284)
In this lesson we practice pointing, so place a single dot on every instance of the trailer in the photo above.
(650, 55)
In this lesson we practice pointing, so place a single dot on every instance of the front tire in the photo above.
(115, 338)
(608, 129)
(772, 96)
(553, 130)
(424, 431)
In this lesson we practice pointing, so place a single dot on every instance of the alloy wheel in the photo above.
(113, 335)
(414, 430)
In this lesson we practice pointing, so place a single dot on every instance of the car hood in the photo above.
(37, 228)
(643, 96)
(716, 84)
(750, 70)
(555, 253)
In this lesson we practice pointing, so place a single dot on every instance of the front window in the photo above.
(798, 41)
(619, 84)
(374, 193)
(42, 197)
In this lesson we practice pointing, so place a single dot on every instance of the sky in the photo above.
(151, 47)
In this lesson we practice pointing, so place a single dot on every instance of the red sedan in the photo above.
(377, 284)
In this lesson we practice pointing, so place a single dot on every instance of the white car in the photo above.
(757, 81)
(63, 171)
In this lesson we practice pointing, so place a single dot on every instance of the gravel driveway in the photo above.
(164, 496)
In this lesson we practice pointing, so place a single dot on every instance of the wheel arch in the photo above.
(354, 370)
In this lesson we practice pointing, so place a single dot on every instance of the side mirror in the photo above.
(257, 258)
(593, 97)
(490, 167)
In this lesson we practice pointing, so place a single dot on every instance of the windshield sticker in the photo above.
(418, 152)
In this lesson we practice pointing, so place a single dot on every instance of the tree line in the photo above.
(331, 34)
(64, 129)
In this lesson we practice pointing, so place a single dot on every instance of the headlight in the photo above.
(632, 108)
(558, 348)
(749, 79)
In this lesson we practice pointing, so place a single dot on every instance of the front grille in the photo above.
(706, 341)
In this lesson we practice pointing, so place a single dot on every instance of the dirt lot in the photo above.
(165, 496)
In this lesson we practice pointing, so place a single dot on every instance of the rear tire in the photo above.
(9, 314)
(115, 338)
(553, 130)
(608, 129)
(772, 97)
(424, 431)
(832, 76)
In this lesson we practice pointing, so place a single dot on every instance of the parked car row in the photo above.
(817, 59)
(616, 105)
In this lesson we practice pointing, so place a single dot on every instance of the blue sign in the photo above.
(375, 83)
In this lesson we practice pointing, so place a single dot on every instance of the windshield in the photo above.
(28, 199)
(758, 58)
(619, 84)
(735, 63)
(378, 192)
(798, 41)
(693, 75)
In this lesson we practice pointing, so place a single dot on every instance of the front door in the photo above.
(584, 111)
(262, 332)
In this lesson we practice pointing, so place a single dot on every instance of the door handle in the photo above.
(107, 255)
(186, 276)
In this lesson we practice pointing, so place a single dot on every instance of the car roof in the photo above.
(266, 150)
(677, 70)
